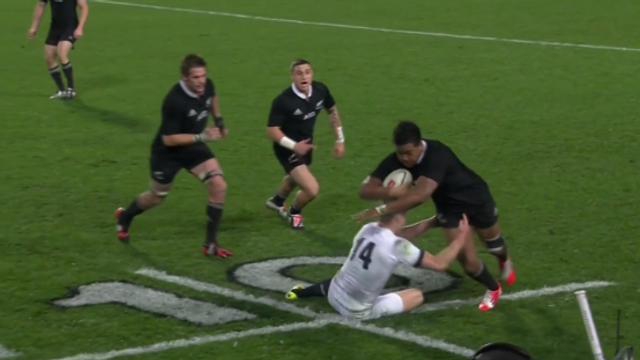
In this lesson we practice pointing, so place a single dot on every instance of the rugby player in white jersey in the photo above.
(378, 248)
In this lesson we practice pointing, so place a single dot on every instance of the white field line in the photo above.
(424, 341)
(218, 290)
(374, 29)
(525, 294)
(6, 353)
(320, 320)
(199, 340)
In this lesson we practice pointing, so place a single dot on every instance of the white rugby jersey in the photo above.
(374, 255)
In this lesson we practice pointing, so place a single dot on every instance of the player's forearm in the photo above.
(420, 228)
(179, 139)
(444, 258)
(215, 107)
(402, 204)
(84, 13)
(37, 15)
(336, 123)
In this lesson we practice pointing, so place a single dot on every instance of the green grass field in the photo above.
(553, 129)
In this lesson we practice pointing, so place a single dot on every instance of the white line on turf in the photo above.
(200, 340)
(320, 320)
(215, 289)
(526, 294)
(423, 341)
(376, 29)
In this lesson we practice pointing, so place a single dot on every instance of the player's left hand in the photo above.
(78, 33)
(31, 34)
(339, 150)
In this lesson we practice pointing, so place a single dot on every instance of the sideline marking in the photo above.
(375, 29)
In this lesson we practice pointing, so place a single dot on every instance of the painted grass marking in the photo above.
(6, 353)
(200, 340)
(215, 289)
(321, 320)
(420, 340)
(525, 294)
(376, 29)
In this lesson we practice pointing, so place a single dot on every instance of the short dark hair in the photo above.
(298, 62)
(407, 132)
(191, 61)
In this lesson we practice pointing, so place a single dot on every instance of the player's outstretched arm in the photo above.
(415, 196)
(444, 258)
(413, 231)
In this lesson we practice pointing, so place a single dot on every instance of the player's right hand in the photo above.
(303, 147)
(211, 134)
(463, 224)
(32, 33)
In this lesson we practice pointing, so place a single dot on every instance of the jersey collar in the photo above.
(300, 94)
(187, 91)
(424, 150)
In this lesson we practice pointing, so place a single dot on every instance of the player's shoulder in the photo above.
(175, 96)
(320, 87)
(210, 84)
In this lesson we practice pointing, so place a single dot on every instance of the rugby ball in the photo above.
(397, 177)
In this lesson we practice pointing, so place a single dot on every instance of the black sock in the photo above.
(56, 74)
(278, 200)
(319, 289)
(214, 212)
(127, 216)
(68, 73)
(294, 210)
(498, 248)
(485, 278)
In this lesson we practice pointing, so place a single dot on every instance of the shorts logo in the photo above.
(292, 159)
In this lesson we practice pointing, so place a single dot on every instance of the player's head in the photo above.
(408, 141)
(394, 221)
(194, 73)
(302, 74)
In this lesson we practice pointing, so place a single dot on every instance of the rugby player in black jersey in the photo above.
(180, 143)
(455, 190)
(65, 29)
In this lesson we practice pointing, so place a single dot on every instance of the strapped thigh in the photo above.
(159, 189)
(209, 175)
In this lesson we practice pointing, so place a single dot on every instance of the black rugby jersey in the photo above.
(295, 116)
(457, 184)
(63, 13)
(184, 113)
